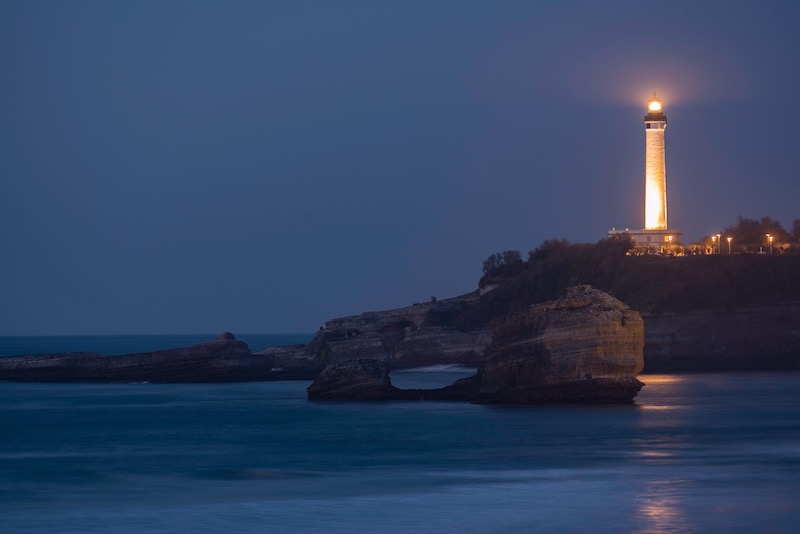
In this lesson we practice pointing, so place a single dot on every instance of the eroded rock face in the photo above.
(763, 338)
(291, 362)
(223, 359)
(584, 347)
(361, 379)
(369, 380)
(758, 338)
(414, 336)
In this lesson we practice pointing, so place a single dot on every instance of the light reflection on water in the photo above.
(697, 453)
(715, 437)
(660, 508)
(664, 379)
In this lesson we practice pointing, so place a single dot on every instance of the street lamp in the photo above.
(719, 244)
(713, 243)
(729, 244)
(769, 238)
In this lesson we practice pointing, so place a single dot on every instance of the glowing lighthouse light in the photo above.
(655, 175)
(654, 104)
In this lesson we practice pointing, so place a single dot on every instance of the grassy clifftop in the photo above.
(653, 283)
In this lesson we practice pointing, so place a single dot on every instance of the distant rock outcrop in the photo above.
(221, 360)
(291, 362)
(583, 348)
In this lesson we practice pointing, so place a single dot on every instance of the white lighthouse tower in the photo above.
(656, 235)
(655, 167)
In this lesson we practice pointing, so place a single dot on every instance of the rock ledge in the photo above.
(224, 359)
(586, 347)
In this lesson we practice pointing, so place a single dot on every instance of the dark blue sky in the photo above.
(193, 167)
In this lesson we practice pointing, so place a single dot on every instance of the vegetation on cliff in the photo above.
(650, 283)
(647, 283)
(750, 235)
(720, 302)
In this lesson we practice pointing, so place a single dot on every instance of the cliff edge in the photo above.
(415, 336)
(586, 347)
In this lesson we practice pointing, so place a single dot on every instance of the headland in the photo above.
(735, 312)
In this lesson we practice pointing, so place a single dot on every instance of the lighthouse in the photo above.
(656, 236)
(655, 167)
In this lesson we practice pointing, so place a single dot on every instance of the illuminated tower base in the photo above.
(656, 235)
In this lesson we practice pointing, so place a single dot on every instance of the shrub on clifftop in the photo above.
(646, 283)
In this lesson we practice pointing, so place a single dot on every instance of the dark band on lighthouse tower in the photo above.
(656, 236)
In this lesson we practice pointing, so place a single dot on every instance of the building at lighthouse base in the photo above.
(650, 241)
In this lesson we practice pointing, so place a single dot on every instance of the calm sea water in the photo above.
(697, 453)
(14, 345)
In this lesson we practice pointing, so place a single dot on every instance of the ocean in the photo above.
(14, 345)
(696, 453)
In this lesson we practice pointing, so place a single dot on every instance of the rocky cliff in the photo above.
(758, 338)
(368, 380)
(221, 360)
(585, 347)
(414, 336)
(361, 379)
(721, 339)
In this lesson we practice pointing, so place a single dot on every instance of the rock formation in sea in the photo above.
(752, 338)
(224, 359)
(414, 336)
(369, 380)
(586, 347)
(361, 379)
(723, 312)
